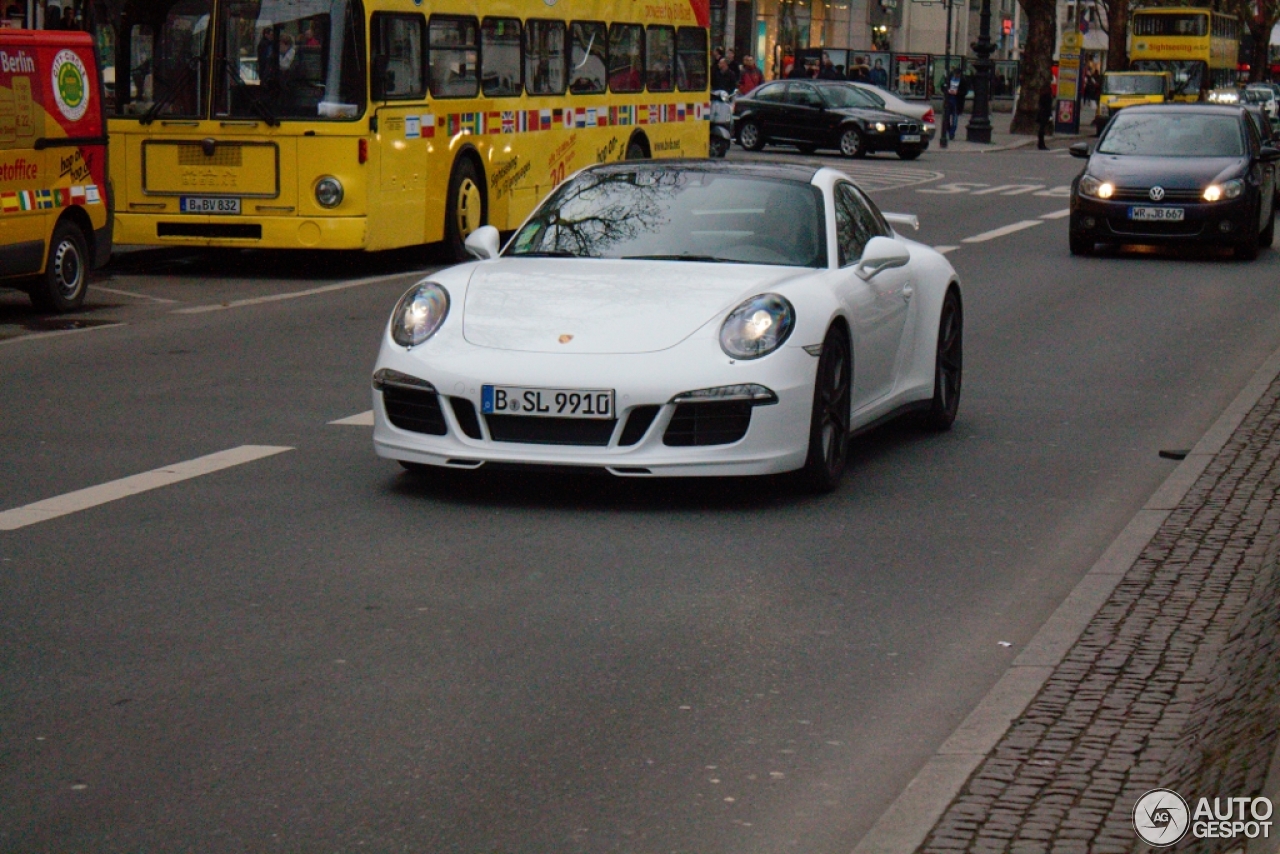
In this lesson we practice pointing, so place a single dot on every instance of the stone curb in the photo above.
(906, 824)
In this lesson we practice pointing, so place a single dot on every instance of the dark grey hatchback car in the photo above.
(813, 114)
(1176, 173)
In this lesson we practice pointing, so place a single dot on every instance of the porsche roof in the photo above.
(783, 171)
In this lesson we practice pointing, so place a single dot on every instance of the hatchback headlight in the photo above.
(328, 192)
(419, 314)
(1091, 186)
(1226, 190)
(757, 327)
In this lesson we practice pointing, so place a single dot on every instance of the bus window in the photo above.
(167, 75)
(1172, 24)
(626, 65)
(544, 63)
(500, 57)
(660, 58)
(589, 60)
(397, 56)
(691, 59)
(453, 57)
(296, 64)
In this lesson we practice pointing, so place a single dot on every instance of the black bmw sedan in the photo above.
(1174, 173)
(813, 114)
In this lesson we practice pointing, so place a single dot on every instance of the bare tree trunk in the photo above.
(1117, 35)
(1036, 69)
(1259, 63)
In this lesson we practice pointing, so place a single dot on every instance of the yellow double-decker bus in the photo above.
(373, 124)
(1199, 48)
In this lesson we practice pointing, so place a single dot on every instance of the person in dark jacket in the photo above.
(722, 78)
(1044, 115)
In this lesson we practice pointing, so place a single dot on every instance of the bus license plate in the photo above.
(546, 402)
(911, 137)
(1157, 214)
(210, 205)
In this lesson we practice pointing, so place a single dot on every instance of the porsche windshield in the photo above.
(1173, 135)
(678, 215)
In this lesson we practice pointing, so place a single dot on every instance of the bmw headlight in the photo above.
(757, 327)
(328, 192)
(881, 127)
(1226, 190)
(1091, 186)
(419, 314)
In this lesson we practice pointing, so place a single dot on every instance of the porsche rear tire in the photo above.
(829, 420)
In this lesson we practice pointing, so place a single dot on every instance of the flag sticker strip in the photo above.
(17, 201)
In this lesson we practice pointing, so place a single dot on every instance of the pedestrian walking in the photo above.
(722, 79)
(751, 77)
(955, 82)
(1044, 115)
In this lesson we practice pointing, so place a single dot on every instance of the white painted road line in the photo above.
(908, 820)
(83, 499)
(326, 289)
(130, 294)
(1002, 231)
(360, 419)
(943, 250)
(1057, 214)
(38, 335)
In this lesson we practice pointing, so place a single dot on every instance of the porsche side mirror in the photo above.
(881, 253)
(483, 243)
(1079, 149)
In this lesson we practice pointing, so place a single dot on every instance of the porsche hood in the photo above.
(551, 305)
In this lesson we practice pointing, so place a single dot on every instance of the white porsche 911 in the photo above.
(671, 317)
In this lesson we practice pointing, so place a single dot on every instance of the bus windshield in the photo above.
(264, 59)
(1133, 84)
(1171, 24)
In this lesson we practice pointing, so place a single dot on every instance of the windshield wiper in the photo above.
(254, 101)
(183, 79)
(710, 259)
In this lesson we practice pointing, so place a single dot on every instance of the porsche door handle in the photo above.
(907, 291)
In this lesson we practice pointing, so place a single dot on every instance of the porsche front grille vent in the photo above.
(713, 423)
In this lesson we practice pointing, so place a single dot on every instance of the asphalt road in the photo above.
(313, 651)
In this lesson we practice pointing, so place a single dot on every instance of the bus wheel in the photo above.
(635, 151)
(66, 274)
(465, 211)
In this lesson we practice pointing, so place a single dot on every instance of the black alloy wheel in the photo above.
(66, 273)
(829, 422)
(1247, 248)
(1080, 244)
(948, 365)
(750, 137)
(636, 151)
(852, 143)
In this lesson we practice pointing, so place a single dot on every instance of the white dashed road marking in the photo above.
(360, 419)
(326, 289)
(945, 249)
(1057, 214)
(130, 294)
(83, 499)
(1002, 231)
(1009, 189)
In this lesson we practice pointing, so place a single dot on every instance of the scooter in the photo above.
(721, 122)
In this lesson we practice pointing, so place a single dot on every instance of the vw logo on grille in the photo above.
(1156, 194)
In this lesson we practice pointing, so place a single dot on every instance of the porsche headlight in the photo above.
(1091, 186)
(419, 314)
(1226, 190)
(757, 327)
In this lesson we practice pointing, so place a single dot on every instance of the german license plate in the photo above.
(210, 205)
(546, 402)
(1157, 214)
(911, 137)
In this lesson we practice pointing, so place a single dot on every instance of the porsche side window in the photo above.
(854, 225)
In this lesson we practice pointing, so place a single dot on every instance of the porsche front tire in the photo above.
(829, 420)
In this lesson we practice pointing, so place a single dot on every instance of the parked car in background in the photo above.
(1264, 97)
(1177, 173)
(921, 111)
(813, 114)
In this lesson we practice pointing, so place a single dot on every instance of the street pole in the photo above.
(979, 128)
(946, 78)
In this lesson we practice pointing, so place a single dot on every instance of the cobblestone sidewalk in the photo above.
(1173, 683)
